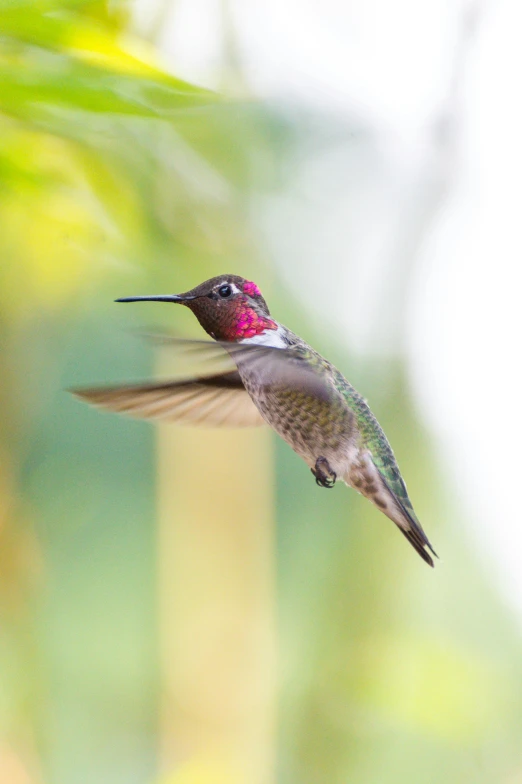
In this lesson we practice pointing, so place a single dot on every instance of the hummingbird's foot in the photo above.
(324, 476)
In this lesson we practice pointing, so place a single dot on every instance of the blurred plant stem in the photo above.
(216, 552)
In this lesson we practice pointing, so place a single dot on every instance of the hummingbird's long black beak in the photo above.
(157, 298)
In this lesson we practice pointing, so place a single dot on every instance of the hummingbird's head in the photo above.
(228, 307)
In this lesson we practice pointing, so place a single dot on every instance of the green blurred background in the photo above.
(188, 607)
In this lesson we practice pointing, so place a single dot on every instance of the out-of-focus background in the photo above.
(187, 607)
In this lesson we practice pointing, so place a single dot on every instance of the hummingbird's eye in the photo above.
(225, 291)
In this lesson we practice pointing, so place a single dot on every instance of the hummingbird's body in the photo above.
(311, 425)
(301, 395)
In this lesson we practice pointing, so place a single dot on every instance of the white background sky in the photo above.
(436, 86)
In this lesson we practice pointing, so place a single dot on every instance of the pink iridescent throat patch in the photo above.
(251, 289)
(250, 324)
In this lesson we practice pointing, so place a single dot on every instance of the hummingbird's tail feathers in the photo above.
(418, 543)
(408, 525)
(219, 401)
(399, 507)
(384, 487)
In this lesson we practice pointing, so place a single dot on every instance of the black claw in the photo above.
(324, 476)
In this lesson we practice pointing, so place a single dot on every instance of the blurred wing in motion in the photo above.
(215, 396)
(272, 367)
(215, 401)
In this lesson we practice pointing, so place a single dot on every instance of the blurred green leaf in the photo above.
(56, 55)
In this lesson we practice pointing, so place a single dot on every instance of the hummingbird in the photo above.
(257, 371)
